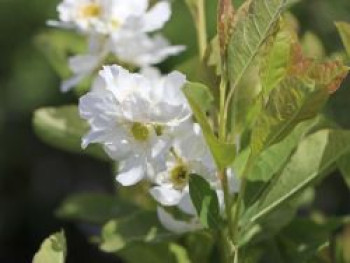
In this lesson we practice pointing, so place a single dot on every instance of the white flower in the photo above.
(83, 66)
(138, 50)
(132, 116)
(177, 226)
(141, 49)
(107, 16)
(116, 28)
(189, 155)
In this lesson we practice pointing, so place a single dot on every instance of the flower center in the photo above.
(159, 129)
(115, 23)
(91, 10)
(140, 131)
(179, 176)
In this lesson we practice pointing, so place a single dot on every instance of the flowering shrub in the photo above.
(211, 165)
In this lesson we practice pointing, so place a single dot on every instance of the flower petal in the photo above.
(132, 172)
(176, 226)
(157, 16)
(166, 195)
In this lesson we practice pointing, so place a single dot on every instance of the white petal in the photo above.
(166, 195)
(70, 83)
(186, 205)
(132, 176)
(157, 16)
(84, 63)
(176, 226)
(234, 182)
(131, 170)
(221, 200)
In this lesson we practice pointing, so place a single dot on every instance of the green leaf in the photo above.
(154, 253)
(205, 201)
(313, 46)
(250, 33)
(192, 6)
(214, 58)
(141, 226)
(52, 250)
(317, 153)
(200, 94)
(247, 102)
(63, 128)
(276, 61)
(200, 246)
(344, 30)
(269, 226)
(57, 46)
(94, 208)
(274, 158)
(329, 74)
(223, 153)
(292, 102)
(304, 238)
(344, 167)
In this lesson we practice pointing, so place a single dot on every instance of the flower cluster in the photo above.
(121, 29)
(142, 120)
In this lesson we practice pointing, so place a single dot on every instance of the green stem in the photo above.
(222, 137)
(226, 251)
(201, 25)
(222, 113)
(241, 194)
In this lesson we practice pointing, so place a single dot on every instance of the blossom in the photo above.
(107, 16)
(189, 155)
(133, 115)
(137, 50)
(116, 29)
(142, 50)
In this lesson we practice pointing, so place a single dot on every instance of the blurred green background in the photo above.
(35, 178)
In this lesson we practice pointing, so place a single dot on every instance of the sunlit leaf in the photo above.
(272, 159)
(223, 153)
(205, 201)
(317, 153)
(247, 102)
(276, 60)
(52, 250)
(250, 33)
(63, 128)
(201, 94)
(329, 74)
(292, 102)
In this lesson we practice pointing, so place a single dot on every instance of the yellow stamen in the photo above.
(91, 10)
(140, 131)
(179, 176)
